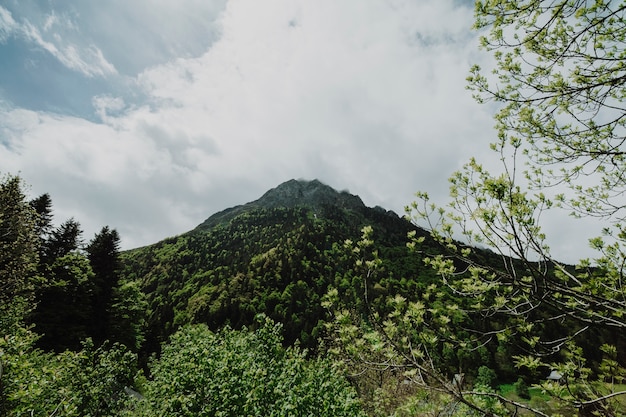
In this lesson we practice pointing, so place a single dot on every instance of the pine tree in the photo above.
(63, 313)
(18, 253)
(63, 240)
(43, 207)
(103, 254)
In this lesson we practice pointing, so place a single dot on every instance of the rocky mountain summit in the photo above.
(293, 193)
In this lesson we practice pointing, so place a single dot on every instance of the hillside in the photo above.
(275, 255)
(299, 269)
(280, 254)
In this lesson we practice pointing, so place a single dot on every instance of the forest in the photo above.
(266, 295)
(307, 302)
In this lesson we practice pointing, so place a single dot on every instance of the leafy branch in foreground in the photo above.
(550, 310)
(560, 81)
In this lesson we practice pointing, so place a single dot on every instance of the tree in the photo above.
(237, 373)
(103, 253)
(18, 253)
(559, 79)
(63, 240)
(89, 381)
(127, 315)
(43, 207)
(63, 312)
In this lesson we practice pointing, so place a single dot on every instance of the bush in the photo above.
(521, 389)
(486, 377)
(242, 373)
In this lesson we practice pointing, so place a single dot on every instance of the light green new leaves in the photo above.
(242, 373)
(561, 79)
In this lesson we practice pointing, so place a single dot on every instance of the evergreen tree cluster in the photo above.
(79, 293)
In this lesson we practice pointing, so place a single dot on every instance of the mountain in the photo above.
(293, 193)
(277, 255)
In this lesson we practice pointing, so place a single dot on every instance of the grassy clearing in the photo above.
(546, 403)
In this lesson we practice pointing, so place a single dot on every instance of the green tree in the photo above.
(103, 252)
(18, 263)
(63, 310)
(521, 388)
(127, 315)
(88, 382)
(43, 207)
(486, 377)
(18, 253)
(65, 239)
(236, 373)
(559, 81)
(63, 313)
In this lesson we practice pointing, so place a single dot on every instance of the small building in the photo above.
(555, 376)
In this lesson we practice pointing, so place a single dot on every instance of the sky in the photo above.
(150, 115)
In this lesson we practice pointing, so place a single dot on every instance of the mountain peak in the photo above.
(292, 193)
(313, 193)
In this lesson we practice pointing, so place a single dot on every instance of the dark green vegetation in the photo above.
(277, 256)
(189, 321)
(71, 325)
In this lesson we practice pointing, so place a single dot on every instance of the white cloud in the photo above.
(364, 95)
(88, 61)
(7, 25)
(106, 104)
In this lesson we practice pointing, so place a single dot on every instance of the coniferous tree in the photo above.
(43, 207)
(63, 313)
(103, 254)
(18, 253)
(63, 240)
(18, 262)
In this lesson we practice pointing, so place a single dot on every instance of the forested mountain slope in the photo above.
(276, 255)
(279, 255)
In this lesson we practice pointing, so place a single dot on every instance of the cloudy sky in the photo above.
(149, 116)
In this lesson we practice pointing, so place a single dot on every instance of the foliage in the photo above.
(18, 253)
(236, 373)
(273, 260)
(561, 80)
(89, 382)
(225, 373)
(103, 252)
(417, 339)
(521, 388)
(486, 377)
(127, 315)
(559, 76)
(63, 312)
(45, 279)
